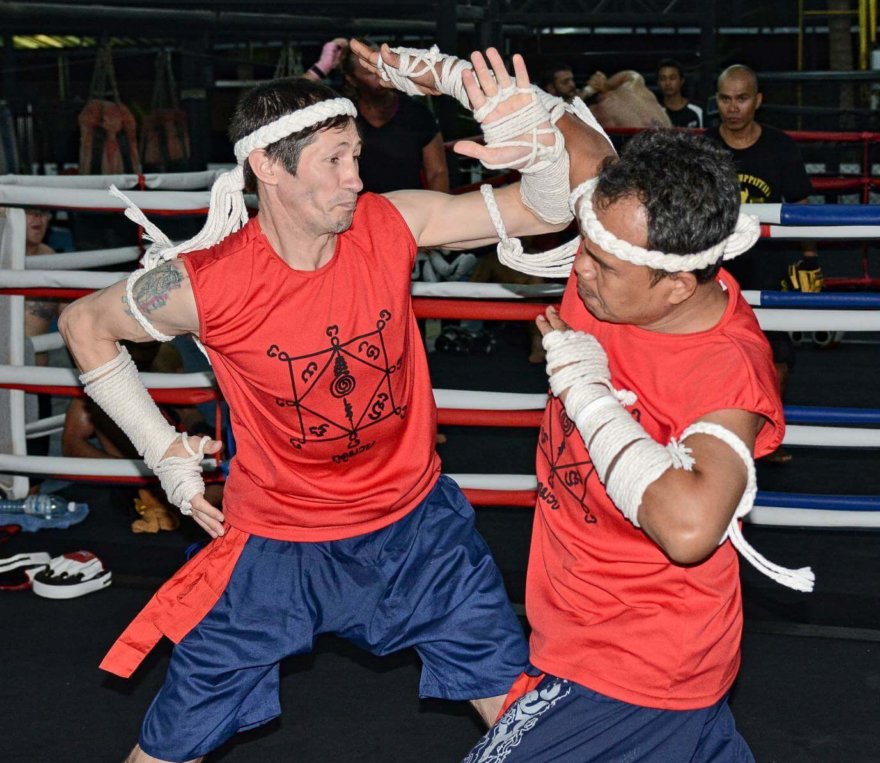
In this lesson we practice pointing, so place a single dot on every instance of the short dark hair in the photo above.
(270, 100)
(670, 63)
(548, 77)
(687, 185)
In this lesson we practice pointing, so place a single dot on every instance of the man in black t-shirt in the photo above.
(770, 170)
(670, 80)
(402, 143)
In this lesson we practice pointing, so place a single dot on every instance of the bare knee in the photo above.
(489, 708)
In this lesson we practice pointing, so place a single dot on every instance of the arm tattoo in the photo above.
(151, 291)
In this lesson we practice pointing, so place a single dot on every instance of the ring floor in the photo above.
(808, 691)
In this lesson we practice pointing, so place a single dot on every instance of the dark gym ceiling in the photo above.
(239, 20)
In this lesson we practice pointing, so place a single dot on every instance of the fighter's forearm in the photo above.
(587, 149)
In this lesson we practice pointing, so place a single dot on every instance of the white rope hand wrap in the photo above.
(417, 62)
(181, 476)
(227, 211)
(117, 388)
(627, 460)
(577, 363)
(544, 166)
(547, 195)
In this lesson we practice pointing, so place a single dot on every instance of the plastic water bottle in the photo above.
(48, 506)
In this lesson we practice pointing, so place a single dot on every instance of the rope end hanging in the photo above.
(134, 213)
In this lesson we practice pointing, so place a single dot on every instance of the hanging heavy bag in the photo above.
(108, 131)
(164, 133)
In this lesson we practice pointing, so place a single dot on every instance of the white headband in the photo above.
(292, 123)
(743, 238)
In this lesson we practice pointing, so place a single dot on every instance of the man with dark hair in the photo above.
(633, 587)
(670, 80)
(335, 515)
(770, 170)
(558, 80)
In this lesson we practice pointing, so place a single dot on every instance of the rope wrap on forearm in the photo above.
(117, 388)
(626, 458)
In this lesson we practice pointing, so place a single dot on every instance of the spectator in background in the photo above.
(39, 313)
(670, 80)
(559, 80)
(402, 143)
(331, 55)
(770, 170)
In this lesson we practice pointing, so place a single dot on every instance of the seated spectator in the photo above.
(39, 313)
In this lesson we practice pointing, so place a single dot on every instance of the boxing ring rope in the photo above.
(809, 426)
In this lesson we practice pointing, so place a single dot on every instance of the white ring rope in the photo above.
(82, 260)
(46, 342)
(86, 200)
(770, 319)
(820, 436)
(84, 467)
(170, 181)
(12, 375)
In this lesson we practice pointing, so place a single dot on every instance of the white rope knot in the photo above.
(741, 239)
(418, 62)
(681, 455)
(181, 476)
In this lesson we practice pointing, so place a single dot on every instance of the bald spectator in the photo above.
(770, 170)
(670, 80)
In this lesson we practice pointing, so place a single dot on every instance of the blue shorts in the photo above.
(427, 581)
(564, 722)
